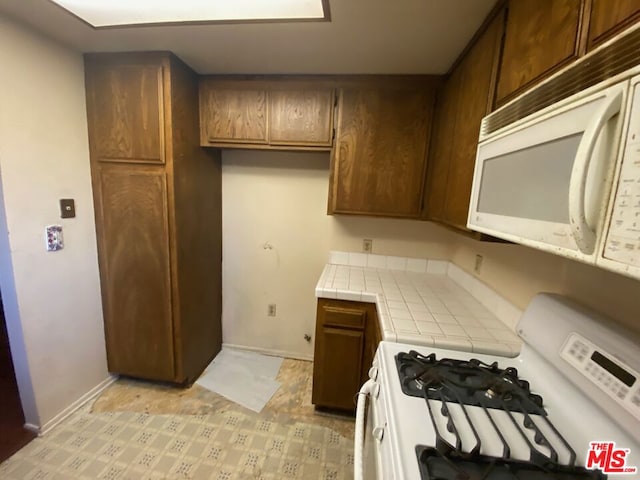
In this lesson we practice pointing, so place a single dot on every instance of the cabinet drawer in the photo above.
(335, 316)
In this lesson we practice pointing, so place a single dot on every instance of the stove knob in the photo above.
(373, 373)
(378, 433)
(375, 391)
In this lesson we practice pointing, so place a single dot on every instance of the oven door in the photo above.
(544, 180)
(375, 448)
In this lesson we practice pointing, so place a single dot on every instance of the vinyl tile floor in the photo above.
(227, 443)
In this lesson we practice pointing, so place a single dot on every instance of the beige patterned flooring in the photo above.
(137, 430)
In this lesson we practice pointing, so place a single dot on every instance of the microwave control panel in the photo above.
(623, 238)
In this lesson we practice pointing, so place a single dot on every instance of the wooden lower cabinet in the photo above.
(347, 335)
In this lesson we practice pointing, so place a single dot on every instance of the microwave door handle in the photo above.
(582, 232)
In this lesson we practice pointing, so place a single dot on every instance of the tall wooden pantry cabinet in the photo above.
(157, 198)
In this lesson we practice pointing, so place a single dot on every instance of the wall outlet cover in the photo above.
(53, 238)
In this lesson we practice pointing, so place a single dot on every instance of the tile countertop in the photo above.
(424, 302)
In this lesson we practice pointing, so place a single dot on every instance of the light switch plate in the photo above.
(53, 237)
(67, 208)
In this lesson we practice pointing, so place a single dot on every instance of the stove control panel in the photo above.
(613, 377)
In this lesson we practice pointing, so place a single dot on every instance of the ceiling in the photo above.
(363, 36)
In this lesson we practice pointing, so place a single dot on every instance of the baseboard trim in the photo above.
(269, 351)
(95, 391)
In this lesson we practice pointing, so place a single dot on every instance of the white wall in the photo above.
(407, 238)
(52, 299)
(519, 272)
(280, 198)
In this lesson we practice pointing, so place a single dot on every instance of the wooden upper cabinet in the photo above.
(467, 96)
(475, 100)
(379, 157)
(541, 37)
(234, 115)
(126, 113)
(609, 17)
(301, 117)
(442, 144)
(266, 114)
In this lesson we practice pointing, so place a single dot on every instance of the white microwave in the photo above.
(566, 179)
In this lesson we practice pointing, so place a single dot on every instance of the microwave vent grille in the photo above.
(604, 63)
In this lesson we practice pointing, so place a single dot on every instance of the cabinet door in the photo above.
(541, 36)
(442, 141)
(466, 98)
(475, 99)
(301, 117)
(373, 337)
(338, 353)
(609, 17)
(341, 359)
(379, 158)
(126, 113)
(135, 271)
(232, 115)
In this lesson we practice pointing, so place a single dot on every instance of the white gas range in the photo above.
(576, 381)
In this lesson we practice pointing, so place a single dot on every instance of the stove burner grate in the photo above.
(470, 381)
(435, 465)
(468, 384)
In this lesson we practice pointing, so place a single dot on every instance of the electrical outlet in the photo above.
(367, 245)
(271, 310)
(478, 266)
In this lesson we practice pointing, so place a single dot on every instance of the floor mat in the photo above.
(246, 378)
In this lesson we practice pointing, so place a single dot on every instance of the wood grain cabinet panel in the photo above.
(541, 36)
(138, 293)
(379, 158)
(160, 264)
(347, 336)
(467, 96)
(233, 115)
(443, 139)
(342, 354)
(475, 100)
(301, 117)
(266, 114)
(609, 17)
(127, 112)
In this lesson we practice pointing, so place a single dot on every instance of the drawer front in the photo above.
(335, 316)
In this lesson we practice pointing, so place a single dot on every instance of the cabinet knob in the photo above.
(378, 433)
(373, 373)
